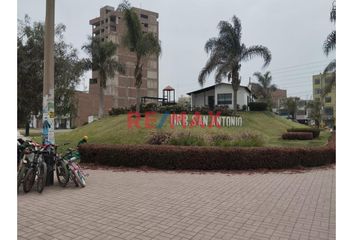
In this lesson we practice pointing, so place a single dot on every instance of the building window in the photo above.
(328, 99)
(328, 80)
(93, 80)
(113, 28)
(318, 91)
(144, 16)
(328, 111)
(317, 81)
(146, 25)
(224, 98)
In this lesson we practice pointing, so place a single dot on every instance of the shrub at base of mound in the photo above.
(204, 158)
(297, 136)
(314, 131)
(258, 106)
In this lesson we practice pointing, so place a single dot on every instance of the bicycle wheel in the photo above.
(81, 178)
(28, 181)
(62, 174)
(41, 176)
(20, 175)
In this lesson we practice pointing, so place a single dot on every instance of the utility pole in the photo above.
(48, 79)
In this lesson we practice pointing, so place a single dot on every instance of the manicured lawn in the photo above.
(114, 130)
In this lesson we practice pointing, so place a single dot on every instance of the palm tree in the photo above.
(102, 59)
(328, 46)
(264, 87)
(144, 44)
(226, 54)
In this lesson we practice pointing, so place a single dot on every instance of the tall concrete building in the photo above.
(110, 26)
(320, 82)
(120, 90)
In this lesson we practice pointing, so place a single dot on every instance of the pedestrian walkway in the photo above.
(169, 205)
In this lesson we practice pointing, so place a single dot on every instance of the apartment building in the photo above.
(120, 90)
(110, 26)
(319, 83)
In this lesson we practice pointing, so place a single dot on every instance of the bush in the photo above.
(204, 158)
(186, 139)
(149, 107)
(118, 111)
(258, 106)
(297, 136)
(314, 131)
(244, 139)
(158, 138)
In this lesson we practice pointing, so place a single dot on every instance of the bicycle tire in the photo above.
(28, 181)
(41, 177)
(20, 176)
(73, 177)
(62, 171)
(80, 178)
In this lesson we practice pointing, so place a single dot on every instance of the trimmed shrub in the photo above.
(204, 158)
(118, 111)
(314, 131)
(297, 136)
(149, 107)
(244, 139)
(258, 106)
(186, 139)
(158, 138)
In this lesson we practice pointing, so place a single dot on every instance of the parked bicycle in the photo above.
(68, 168)
(25, 156)
(37, 171)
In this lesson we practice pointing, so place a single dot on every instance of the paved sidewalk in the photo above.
(169, 205)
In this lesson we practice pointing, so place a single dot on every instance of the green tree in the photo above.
(103, 60)
(144, 44)
(291, 105)
(226, 54)
(315, 112)
(67, 73)
(329, 45)
(264, 87)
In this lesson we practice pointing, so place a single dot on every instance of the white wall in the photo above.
(201, 99)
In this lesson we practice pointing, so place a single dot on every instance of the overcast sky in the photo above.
(294, 31)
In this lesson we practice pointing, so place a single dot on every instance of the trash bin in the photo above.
(49, 160)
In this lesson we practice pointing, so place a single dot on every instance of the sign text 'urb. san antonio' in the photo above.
(183, 119)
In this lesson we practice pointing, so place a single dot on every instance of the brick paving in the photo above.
(168, 205)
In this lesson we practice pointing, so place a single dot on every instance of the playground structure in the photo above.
(168, 97)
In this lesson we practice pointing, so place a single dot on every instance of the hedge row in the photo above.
(297, 136)
(258, 106)
(204, 158)
(314, 131)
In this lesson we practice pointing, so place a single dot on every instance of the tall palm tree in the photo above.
(144, 44)
(102, 59)
(226, 54)
(328, 46)
(265, 87)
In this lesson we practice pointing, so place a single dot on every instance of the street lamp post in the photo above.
(48, 79)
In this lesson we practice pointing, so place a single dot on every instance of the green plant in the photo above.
(187, 139)
(159, 138)
(297, 136)
(143, 44)
(103, 62)
(314, 131)
(205, 158)
(226, 54)
(244, 139)
(258, 106)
